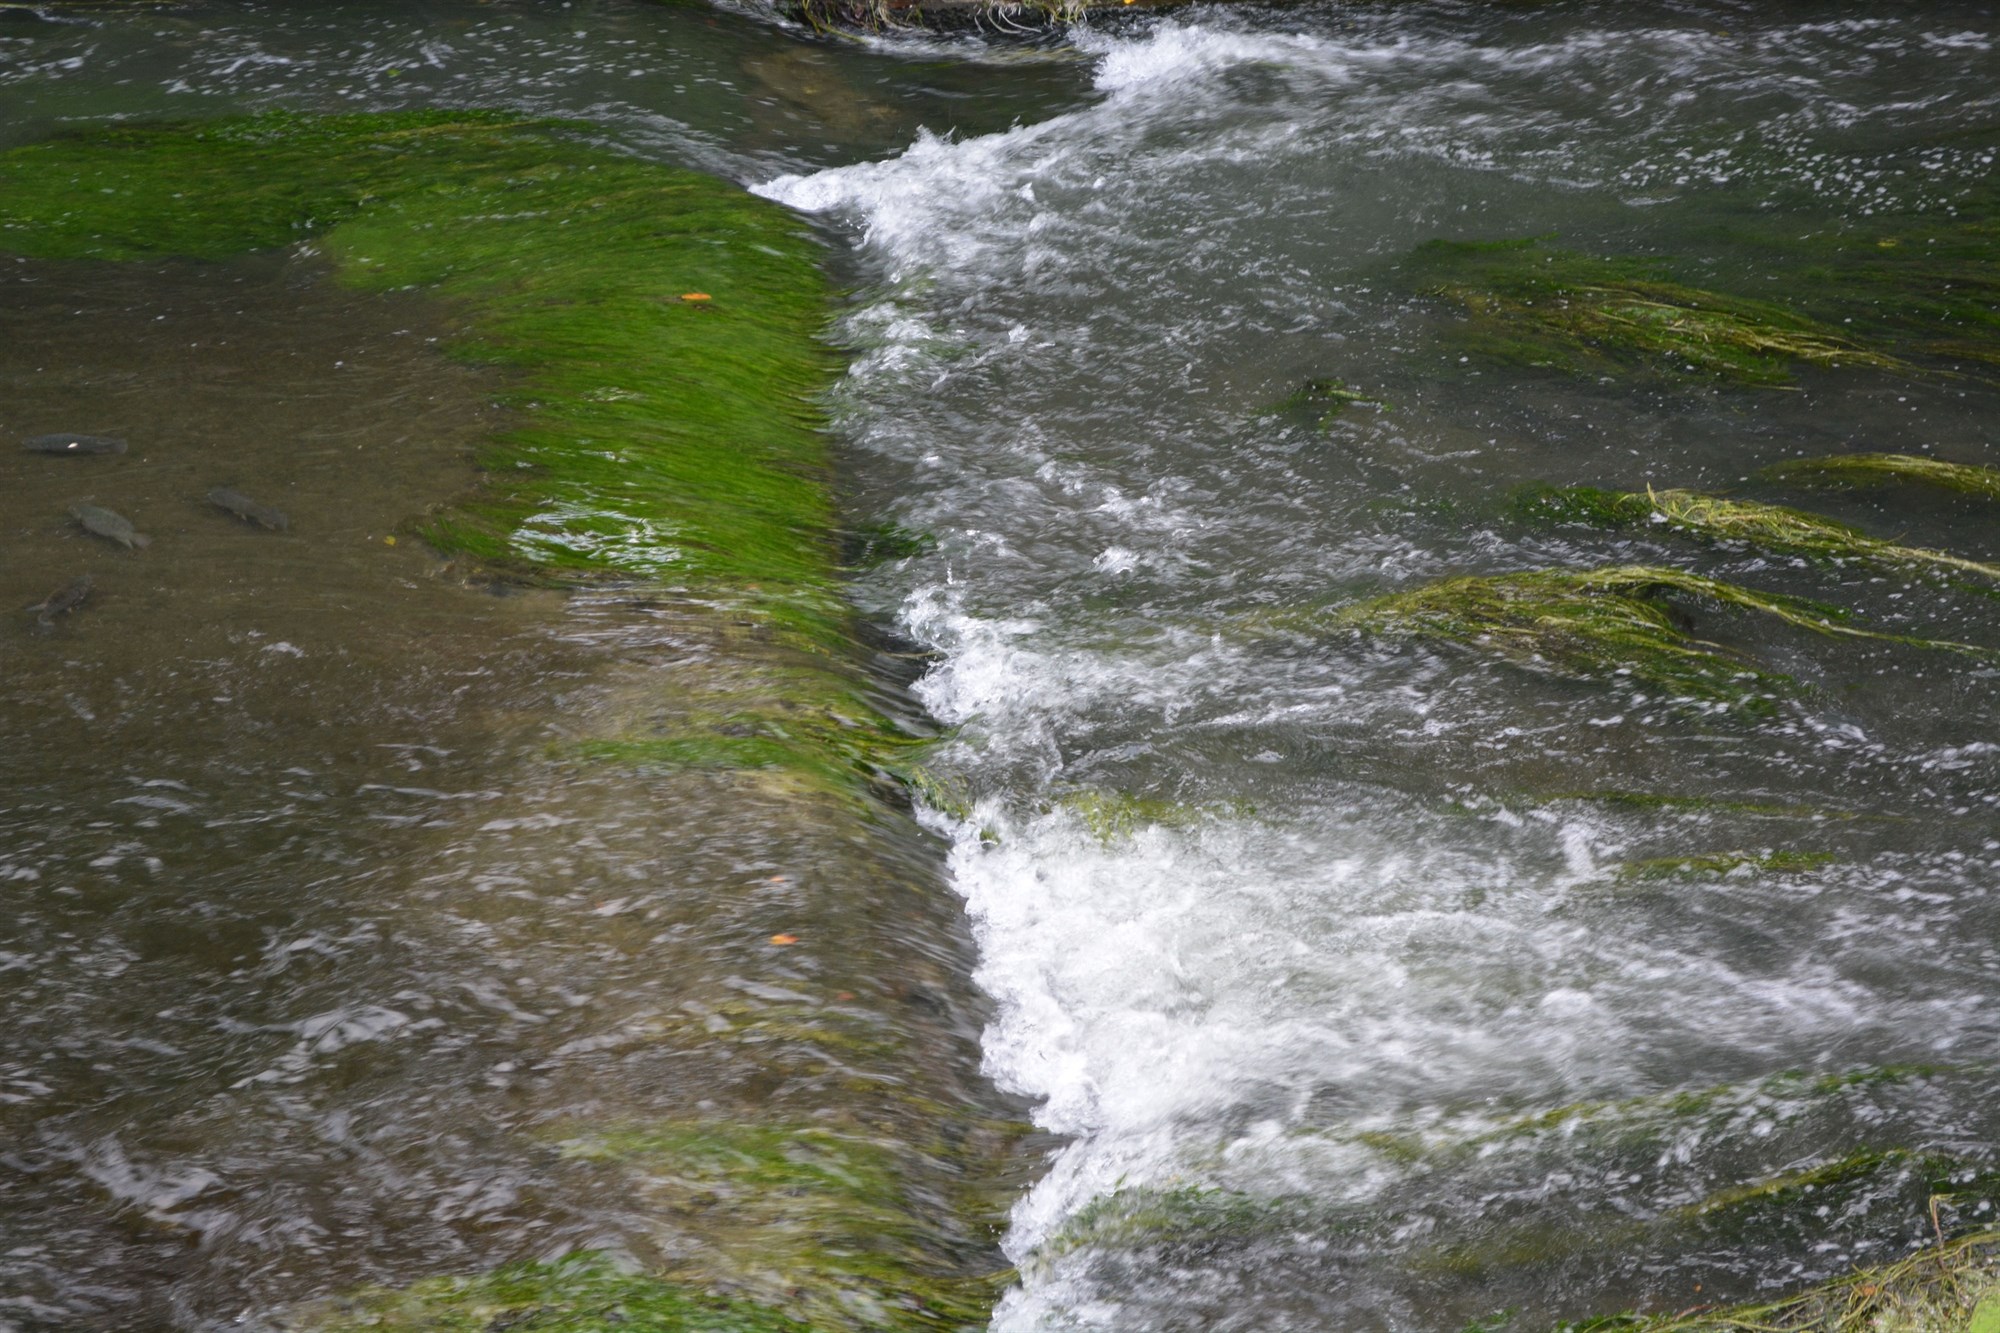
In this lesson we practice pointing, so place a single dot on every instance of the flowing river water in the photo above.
(1359, 984)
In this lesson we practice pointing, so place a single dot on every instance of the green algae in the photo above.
(1189, 1217)
(1793, 1205)
(662, 332)
(1706, 865)
(875, 544)
(817, 1219)
(1527, 304)
(1327, 399)
(1950, 1288)
(659, 438)
(1648, 800)
(1720, 1109)
(1112, 816)
(1597, 624)
(1887, 469)
(583, 1293)
(1743, 523)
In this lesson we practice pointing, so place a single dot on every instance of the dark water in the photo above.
(309, 936)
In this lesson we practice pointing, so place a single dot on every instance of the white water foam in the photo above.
(1188, 1000)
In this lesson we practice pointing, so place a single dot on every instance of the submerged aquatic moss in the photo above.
(660, 438)
(1653, 1121)
(1327, 398)
(1532, 305)
(1722, 863)
(662, 331)
(1886, 469)
(814, 1218)
(1595, 624)
(1112, 815)
(1748, 523)
(1188, 1217)
(584, 1293)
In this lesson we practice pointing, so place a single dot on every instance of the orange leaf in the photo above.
(695, 296)
(784, 939)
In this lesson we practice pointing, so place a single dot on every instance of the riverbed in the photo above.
(1353, 981)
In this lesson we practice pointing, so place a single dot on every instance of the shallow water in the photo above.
(1302, 1022)
(319, 934)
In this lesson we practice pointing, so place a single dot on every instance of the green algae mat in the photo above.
(663, 324)
(662, 329)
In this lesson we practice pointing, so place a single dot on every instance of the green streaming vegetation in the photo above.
(1889, 469)
(1606, 623)
(584, 1293)
(1528, 304)
(811, 1219)
(1747, 523)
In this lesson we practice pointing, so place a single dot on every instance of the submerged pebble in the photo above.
(102, 522)
(65, 442)
(243, 507)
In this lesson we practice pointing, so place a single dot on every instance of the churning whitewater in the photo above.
(1303, 942)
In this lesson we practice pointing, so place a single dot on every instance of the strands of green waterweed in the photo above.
(1585, 315)
(1598, 623)
(1886, 469)
(1748, 523)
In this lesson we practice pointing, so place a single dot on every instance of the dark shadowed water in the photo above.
(305, 936)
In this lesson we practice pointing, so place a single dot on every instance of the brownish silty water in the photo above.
(1380, 965)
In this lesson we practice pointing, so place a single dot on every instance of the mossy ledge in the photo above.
(664, 456)
(1613, 622)
(662, 328)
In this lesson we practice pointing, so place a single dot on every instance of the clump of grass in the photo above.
(1748, 523)
(1951, 1288)
(1886, 469)
(1590, 316)
(1612, 622)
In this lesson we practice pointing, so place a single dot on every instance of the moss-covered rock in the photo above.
(1598, 624)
